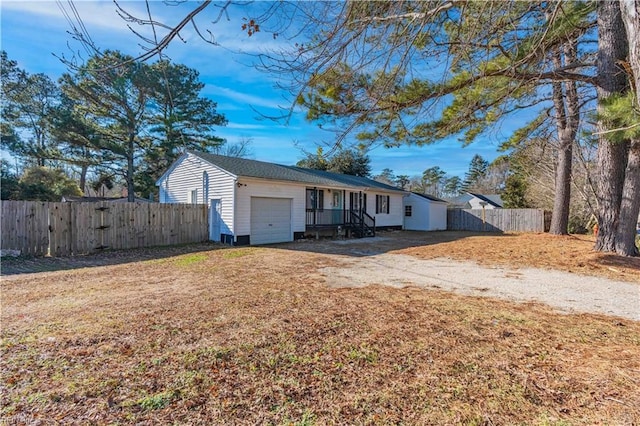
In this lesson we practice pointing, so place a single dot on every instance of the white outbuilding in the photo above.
(424, 212)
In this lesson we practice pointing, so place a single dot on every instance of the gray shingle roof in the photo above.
(430, 197)
(261, 169)
(462, 201)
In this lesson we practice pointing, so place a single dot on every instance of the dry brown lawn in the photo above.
(209, 335)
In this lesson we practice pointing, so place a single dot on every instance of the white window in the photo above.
(193, 198)
(407, 211)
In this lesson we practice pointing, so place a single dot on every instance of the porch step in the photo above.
(360, 234)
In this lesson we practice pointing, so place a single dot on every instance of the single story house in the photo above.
(424, 212)
(255, 202)
(470, 200)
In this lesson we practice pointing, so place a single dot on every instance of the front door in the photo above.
(214, 219)
(354, 202)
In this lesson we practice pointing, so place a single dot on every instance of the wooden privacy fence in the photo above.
(62, 229)
(498, 220)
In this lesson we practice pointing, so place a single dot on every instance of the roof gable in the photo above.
(493, 199)
(429, 197)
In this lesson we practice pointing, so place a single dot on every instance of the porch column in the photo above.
(315, 205)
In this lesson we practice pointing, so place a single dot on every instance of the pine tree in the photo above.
(477, 170)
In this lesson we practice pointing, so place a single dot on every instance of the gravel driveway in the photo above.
(563, 291)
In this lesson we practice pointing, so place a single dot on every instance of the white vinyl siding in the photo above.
(187, 174)
(426, 215)
(395, 217)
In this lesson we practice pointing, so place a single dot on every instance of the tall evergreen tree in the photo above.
(136, 117)
(432, 181)
(452, 186)
(113, 92)
(179, 119)
(612, 154)
(477, 170)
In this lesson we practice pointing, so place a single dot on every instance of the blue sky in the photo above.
(32, 32)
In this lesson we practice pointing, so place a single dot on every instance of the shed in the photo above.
(423, 212)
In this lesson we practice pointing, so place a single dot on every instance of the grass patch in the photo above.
(236, 253)
(157, 401)
(190, 259)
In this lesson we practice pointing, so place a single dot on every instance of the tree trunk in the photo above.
(130, 187)
(631, 16)
(565, 100)
(630, 205)
(612, 156)
(83, 177)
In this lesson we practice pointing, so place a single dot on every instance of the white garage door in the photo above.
(270, 220)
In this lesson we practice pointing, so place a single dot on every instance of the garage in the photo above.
(270, 220)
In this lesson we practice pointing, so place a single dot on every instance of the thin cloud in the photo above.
(243, 98)
(94, 15)
(241, 126)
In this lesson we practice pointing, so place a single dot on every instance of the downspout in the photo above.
(235, 204)
(344, 203)
(403, 212)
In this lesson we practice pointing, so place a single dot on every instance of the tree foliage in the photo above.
(114, 116)
(28, 102)
(138, 116)
(353, 162)
(477, 170)
(179, 119)
(44, 184)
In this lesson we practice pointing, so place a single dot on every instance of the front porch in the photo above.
(354, 223)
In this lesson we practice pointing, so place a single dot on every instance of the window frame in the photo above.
(382, 204)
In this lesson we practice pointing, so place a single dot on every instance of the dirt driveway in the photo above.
(563, 291)
(382, 261)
